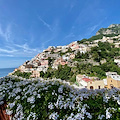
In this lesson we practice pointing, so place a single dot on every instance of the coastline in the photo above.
(5, 71)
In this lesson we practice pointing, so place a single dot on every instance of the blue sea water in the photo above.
(5, 71)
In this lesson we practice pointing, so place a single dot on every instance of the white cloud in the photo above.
(7, 51)
(6, 55)
(72, 5)
(16, 50)
(45, 23)
(93, 28)
(11, 48)
(6, 34)
(26, 48)
(25, 51)
(71, 35)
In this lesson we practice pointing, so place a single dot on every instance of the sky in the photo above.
(27, 27)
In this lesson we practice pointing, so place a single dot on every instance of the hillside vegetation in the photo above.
(104, 51)
(93, 57)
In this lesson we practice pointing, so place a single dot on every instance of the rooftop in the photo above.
(86, 79)
(111, 73)
(116, 77)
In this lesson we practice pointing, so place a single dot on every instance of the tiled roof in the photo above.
(86, 79)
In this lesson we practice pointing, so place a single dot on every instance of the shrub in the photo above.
(54, 100)
(22, 74)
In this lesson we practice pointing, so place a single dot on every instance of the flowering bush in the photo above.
(55, 100)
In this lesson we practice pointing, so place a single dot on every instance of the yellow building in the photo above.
(113, 80)
(96, 84)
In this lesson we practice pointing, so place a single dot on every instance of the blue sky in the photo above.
(29, 26)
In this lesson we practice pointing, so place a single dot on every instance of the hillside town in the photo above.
(65, 55)
(59, 60)
(41, 62)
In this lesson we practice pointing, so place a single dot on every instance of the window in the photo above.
(91, 87)
(111, 86)
(98, 87)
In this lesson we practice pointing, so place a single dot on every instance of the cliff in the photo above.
(112, 29)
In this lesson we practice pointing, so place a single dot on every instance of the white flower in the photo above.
(11, 105)
(89, 115)
(31, 99)
(17, 90)
(18, 97)
(32, 115)
(101, 117)
(1, 98)
(79, 116)
(19, 108)
(54, 116)
(32, 106)
(38, 96)
(34, 93)
(9, 112)
(50, 106)
(83, 110)
(60, 89)
(118, 101)
(1, 102)
(108, 115)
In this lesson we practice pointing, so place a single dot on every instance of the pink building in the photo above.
(60, 61)
(44, 63)
(35, 74)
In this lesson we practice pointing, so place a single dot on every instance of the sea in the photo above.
(5, 71)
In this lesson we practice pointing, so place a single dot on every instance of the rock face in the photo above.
(112, 29)
(114, 25)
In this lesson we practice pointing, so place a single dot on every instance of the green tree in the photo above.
(50, 61)
(42, 74)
